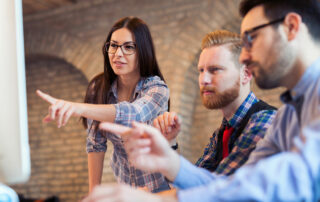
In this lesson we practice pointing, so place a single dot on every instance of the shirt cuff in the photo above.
(190, 176)
(119, 113)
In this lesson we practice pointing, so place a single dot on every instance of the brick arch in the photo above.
(59, 163)
(61, 45)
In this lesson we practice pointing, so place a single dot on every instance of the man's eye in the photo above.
(252, 37)
(200, 70)
(213, 70)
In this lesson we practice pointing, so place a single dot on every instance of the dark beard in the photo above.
(220, 99)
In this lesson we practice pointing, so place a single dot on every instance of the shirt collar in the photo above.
(311, 74)
(242, 110)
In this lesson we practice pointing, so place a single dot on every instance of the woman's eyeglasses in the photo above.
(127, 48)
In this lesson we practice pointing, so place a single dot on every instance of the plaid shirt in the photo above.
(246, 142)
(150, 100)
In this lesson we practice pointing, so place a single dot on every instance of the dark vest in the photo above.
(211, 164)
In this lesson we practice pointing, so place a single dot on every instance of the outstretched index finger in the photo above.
(46, 97)
(147, 130)
(117, 129)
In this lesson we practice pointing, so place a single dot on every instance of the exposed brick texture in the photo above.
(59, 162)
(75, 34)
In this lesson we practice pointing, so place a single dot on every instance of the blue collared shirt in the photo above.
(292, 144)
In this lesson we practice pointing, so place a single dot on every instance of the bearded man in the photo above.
(225, 85)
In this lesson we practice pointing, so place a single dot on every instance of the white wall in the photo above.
(14, 147)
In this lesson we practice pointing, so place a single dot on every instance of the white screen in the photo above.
(14, 145)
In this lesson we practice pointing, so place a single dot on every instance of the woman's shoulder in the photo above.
(153, 81)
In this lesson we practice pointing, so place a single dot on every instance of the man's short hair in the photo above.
(309, 10)
(224, 37)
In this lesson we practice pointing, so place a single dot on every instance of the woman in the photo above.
(131, 88)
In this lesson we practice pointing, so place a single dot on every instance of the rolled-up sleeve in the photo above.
(152, 101)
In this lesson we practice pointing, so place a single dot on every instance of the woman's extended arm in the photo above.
(61, 110)
(153, 100)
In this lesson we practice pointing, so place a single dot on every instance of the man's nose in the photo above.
(244, 56)
(205, 78)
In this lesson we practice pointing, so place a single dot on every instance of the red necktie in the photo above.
(225, 140)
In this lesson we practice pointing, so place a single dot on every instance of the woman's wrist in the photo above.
(79, 109)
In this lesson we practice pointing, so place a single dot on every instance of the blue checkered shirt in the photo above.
(245, 143)
(150, 100)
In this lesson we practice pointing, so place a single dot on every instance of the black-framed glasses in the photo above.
(127, 48)
(247, 38)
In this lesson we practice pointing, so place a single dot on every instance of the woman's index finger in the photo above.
(46, 97)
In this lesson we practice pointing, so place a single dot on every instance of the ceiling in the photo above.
(35, 6)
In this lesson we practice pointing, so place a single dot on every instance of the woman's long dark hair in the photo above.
(100, 85)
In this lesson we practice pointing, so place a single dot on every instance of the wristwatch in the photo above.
(175, 147)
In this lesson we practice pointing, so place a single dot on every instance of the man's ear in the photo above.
(292, 25)
(246, 75)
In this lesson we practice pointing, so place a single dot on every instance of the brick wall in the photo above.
(59, 163)
(75, 34)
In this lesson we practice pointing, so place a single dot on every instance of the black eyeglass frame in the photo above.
(120, 46)
(247, 39)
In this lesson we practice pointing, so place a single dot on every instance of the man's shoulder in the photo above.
(262, 112)
(271, 118)
(266, 114)
(263, 117)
